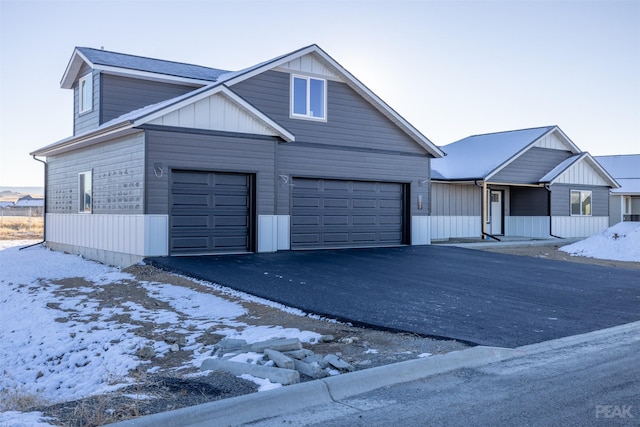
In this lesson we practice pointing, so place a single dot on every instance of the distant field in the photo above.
(21, 228)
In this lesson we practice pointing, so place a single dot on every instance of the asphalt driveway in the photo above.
(468, 295)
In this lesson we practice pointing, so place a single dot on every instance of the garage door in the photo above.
(334, 213)
(210, 212)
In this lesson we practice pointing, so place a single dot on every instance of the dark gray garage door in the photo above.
(210, 212)
(333, 213)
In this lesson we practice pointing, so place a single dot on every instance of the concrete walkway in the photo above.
(472, 296)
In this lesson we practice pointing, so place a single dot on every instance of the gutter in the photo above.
(44, 214)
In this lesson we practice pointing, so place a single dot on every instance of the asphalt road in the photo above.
(593, 383)
(473, 296)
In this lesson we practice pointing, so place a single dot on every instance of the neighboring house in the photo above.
(170, 159)
(530, 182)
(29, 202)
(624, 204)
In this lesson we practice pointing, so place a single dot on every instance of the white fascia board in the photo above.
(567, 140)
(73, 68)
(84, 140)
(355, 84)
(232, 97)
(147, 75)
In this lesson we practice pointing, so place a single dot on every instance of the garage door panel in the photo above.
(209, 212)
(192, 221)
(335, 203)
(335, 213)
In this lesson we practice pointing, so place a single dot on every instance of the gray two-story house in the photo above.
(169, 158)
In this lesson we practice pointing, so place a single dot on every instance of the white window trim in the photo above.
(308, 116)
(89, 81)
(581, 191)
(81, 207)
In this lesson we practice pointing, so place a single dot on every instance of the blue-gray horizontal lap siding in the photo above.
(351, 120)
(117, 171)
(91, 119)
(318, 162)
(561, 199)
(188, 151)
(114, 96)
(120, 95)
(531, 166)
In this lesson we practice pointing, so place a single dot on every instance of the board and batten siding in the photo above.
(561, 199)
(351, 120)
(455, 210)
(455, 199)
(189, 151)
(532, 165)
(117, 171)
(91, 119)
(122, 95)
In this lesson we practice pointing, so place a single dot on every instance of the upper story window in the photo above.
(308, 97)
(85, 192)
(85, 94)
(581, 202)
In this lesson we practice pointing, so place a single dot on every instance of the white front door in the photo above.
(496, 212)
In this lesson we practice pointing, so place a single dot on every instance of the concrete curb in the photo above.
(572, 340)
(253, 407)
(244, 409)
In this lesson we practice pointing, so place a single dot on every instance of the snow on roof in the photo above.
(475, 157)
(141, 63)
(625, 169)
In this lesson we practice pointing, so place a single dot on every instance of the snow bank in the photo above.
(620, 243)
(61, 344)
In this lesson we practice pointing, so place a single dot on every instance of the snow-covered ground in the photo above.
(620, 242)
(57, 346)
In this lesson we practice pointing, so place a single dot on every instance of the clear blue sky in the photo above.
(451, 68)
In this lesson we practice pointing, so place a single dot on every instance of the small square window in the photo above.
(308, 97)
(580, 203)
(85, 191)
(85, 94)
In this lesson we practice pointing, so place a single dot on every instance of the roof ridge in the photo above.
(512, 130)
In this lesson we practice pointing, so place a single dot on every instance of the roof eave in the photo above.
(89, 138)
(73, 68)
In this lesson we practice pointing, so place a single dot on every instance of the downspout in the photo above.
(44, 213)
(546, 186)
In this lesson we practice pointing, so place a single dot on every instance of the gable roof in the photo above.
(140, 66)
(222, 79)
(556, 173)
(625, 169)
(127, 123)
(478, 157)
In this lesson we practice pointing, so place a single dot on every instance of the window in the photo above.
(308, 97)
(85, 94)
(581, 202)
(85, 192)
